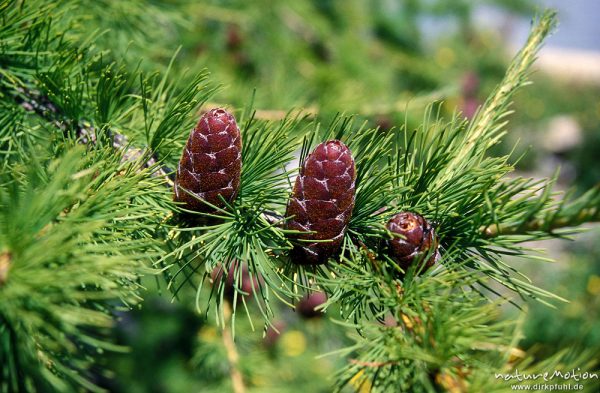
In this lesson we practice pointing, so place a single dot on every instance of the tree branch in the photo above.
(232, 354)
(584, 209)
(372, 364)
(5, 262)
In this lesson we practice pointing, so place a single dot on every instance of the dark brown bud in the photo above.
(384, 122)
(417, 243)
(211, 164)
(306, 307)
(246, 283)
(234, 38)
(273, 332)
(322, 201)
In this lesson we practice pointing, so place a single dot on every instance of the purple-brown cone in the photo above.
(322, 201)
(418, 241)
(211, 163)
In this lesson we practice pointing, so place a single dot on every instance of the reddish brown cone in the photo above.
(322, 201)
(211, 163)
(417, 243)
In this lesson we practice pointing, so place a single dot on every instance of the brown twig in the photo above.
(590, 214)
(372, 364)
(5, 262)
(232, 355)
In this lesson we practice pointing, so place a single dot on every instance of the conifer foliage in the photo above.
(88, 147)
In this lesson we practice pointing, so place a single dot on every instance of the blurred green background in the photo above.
(382, 61)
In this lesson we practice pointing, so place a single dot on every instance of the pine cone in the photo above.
(417, 242)
(322, 201)
(211, 163)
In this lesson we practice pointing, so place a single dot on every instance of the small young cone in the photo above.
(211, 164)
(322, 201)
(417, 243)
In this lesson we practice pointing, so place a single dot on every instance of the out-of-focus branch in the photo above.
(5, 261)
(584, 209)
(270, 114)
(232, 355)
